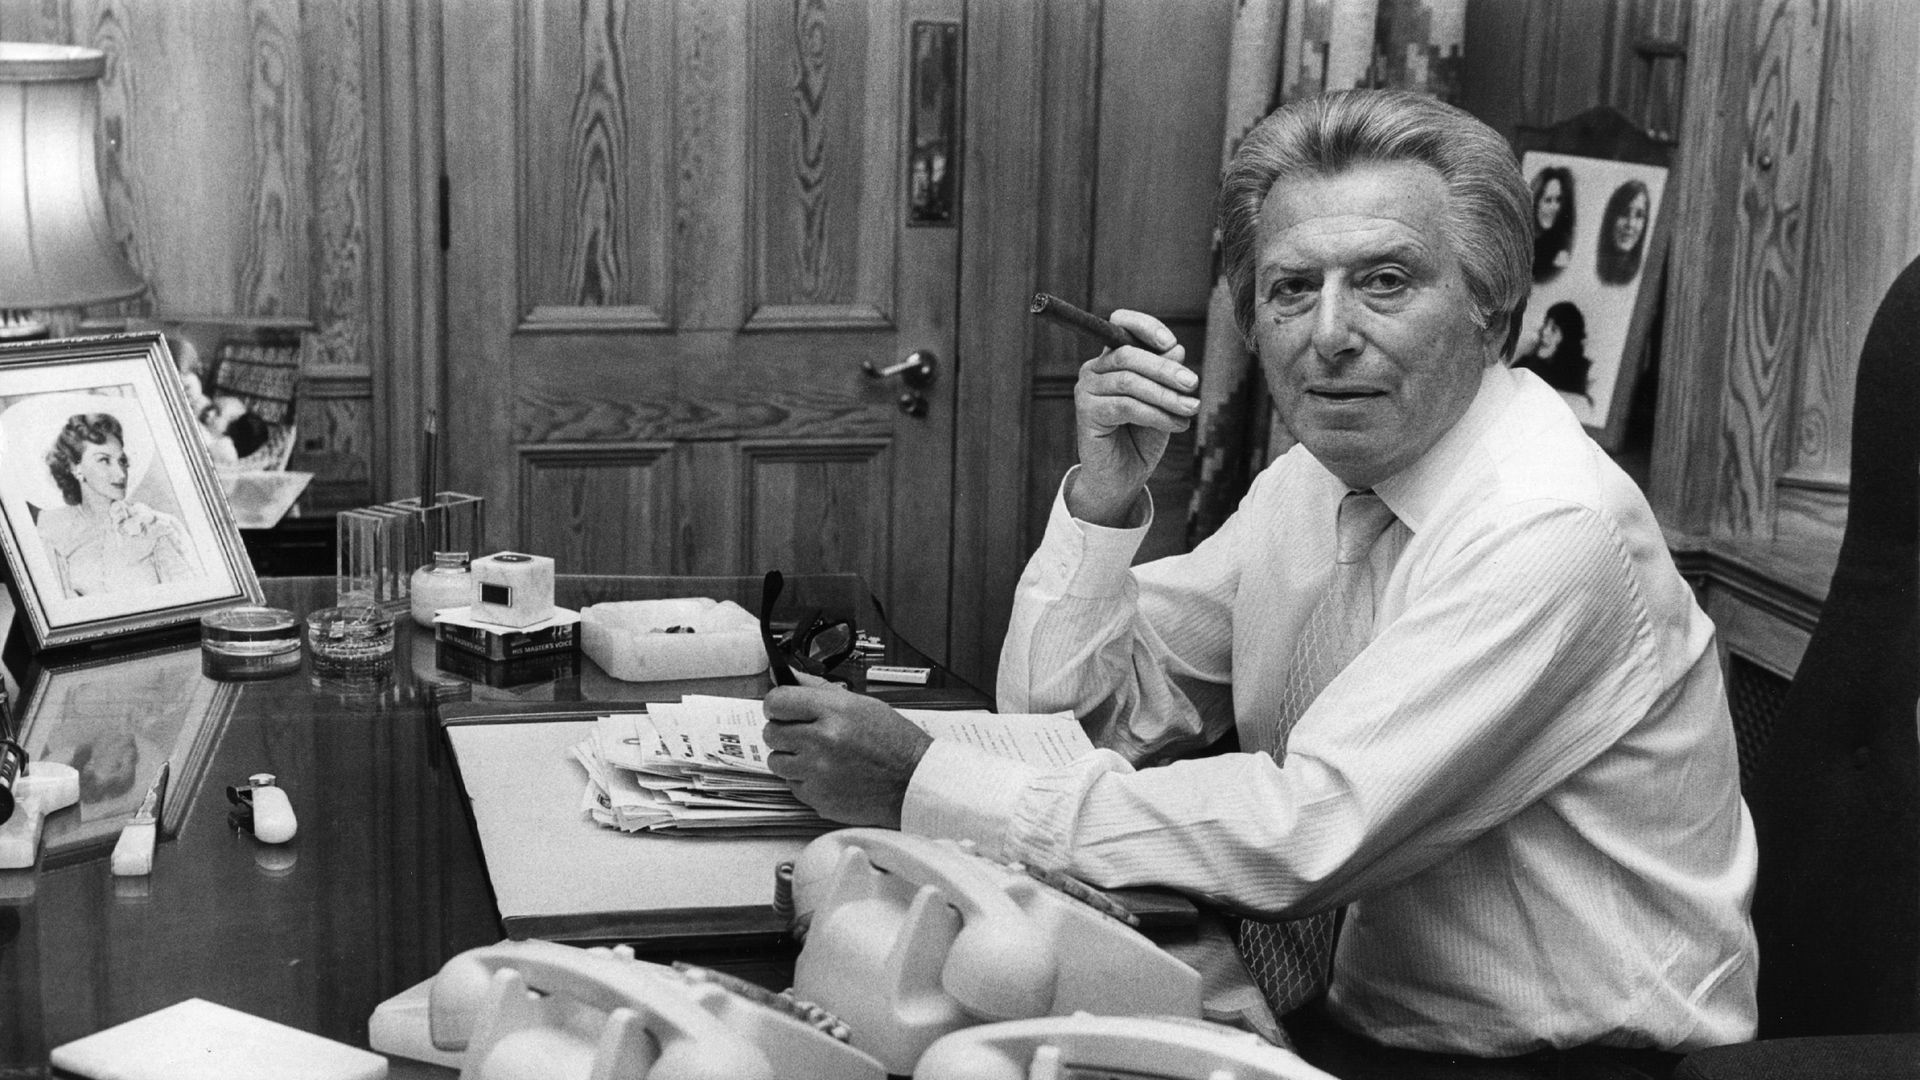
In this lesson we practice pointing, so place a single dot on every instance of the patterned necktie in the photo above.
(1290, 961)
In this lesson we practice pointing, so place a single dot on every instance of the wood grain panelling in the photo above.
(770, 136)
(826, 144)
(707, 535)
(343, 308)
(1768, 272)
(818, 504)
(1001, 214)
(1534, 63)
(1646, 78)
(1159, 165)
(592, 388)
(273, 270)
(482, 297)
(1069, 166)
(1684, 484)
(407, 283)
(597, 165)
(710, 164)
(238, 156)
(1051, 439)
(596, 508)
(1864, 214)
(335, 419)
(1129, 188)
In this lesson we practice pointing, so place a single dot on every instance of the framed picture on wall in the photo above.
(111, 517)
(1598, 187)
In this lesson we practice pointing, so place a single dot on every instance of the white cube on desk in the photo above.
(515, 589)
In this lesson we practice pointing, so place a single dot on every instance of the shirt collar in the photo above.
(1417, 492)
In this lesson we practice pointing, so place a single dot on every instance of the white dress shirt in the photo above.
(1525, 787)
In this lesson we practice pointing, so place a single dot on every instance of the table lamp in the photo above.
(57, 248)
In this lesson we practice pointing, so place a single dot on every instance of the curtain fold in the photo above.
(1283, 51)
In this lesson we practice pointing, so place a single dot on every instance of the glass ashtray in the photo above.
(350, 638)
(249, 643)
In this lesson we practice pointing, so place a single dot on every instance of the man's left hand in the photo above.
(847, 755)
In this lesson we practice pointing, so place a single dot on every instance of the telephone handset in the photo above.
(1083, 1047)
(908, 938)
(524, 1009)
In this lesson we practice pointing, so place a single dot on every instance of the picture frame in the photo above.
(116, 720)
(1599, 188)
(132, 533)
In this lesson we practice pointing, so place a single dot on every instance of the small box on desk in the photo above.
(554, 667)
(558, 633)
(515, 589)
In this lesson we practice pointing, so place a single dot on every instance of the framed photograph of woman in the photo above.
(1599, 245)
(111, 518)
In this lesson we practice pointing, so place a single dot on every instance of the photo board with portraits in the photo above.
(1599, 250)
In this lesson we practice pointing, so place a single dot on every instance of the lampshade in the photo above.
(57, 248)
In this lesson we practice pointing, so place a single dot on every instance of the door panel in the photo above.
(678, 234)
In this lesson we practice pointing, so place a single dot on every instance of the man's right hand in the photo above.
(1128, 402)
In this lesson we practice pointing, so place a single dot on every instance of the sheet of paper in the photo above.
(1035, 738)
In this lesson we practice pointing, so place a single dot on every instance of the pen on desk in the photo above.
(429, 439)
(1048, 306)
(133, 852)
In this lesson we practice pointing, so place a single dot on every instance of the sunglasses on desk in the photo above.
(816, 644)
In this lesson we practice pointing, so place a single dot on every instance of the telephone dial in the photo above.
(537, 1010)
(908, 939)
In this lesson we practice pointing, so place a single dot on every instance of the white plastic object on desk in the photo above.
(686, 638)
(512, 589)
(1061, 1047)
(133, 851)
(273, 820)
(45, 788)
(599, 1013)
(909, 939)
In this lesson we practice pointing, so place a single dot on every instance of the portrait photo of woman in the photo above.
(1623, 233)
(1559, 351)
(91, 497)
(1553, 220)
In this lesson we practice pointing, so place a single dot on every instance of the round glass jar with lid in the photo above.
(446, 582)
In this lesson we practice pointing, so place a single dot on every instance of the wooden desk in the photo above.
(384, 881)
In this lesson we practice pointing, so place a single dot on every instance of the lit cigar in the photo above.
(1048, 306)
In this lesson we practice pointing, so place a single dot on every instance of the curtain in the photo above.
(1283, 51)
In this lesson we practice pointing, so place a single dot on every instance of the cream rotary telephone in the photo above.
(537, 1010)
(908, 939)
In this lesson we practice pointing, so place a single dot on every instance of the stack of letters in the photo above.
(699, 766)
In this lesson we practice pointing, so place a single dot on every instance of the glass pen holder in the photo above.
(381, 546)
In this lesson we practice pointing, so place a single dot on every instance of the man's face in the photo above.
(1362, 317)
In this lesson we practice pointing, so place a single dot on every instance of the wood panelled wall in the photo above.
(1799, 203)
(247, 171)
(280, 158)
(1797, 199)
(1126, 207)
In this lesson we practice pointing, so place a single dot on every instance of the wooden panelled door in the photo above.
(682, 236)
